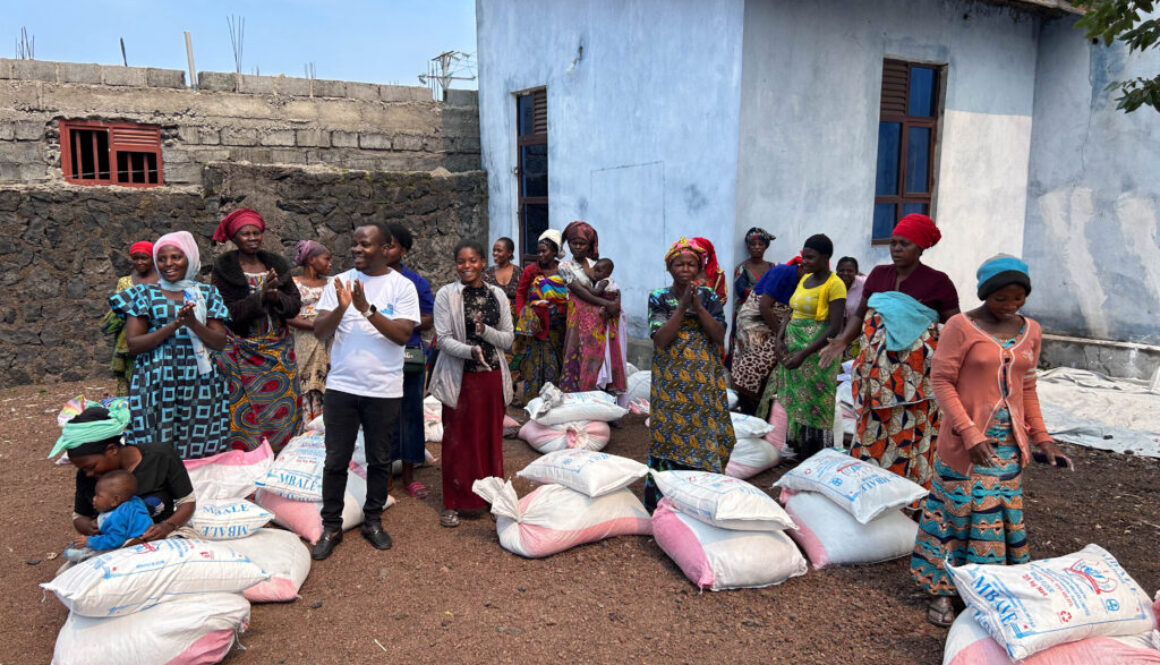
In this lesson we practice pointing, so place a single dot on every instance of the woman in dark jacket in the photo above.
(260, 365)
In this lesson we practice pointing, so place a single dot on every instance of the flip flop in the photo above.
(449, 519)
(417, 490)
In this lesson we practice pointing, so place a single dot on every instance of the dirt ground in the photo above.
(453, 595)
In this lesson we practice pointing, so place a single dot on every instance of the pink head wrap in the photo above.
(184, 241)
(236, 220)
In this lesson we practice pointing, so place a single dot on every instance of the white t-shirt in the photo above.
(362, 361)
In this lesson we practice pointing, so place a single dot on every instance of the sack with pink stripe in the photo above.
(553, 518)
(582, 434)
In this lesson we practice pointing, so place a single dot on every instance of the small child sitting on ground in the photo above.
(123, 516)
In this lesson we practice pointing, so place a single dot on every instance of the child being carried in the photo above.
(123, 516)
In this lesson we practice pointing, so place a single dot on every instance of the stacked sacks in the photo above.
(222, 484)
(292, 489)
(175, 601)
(848, 511)
(1069, 605)
(760, 445)
(585, 500)
(724, 533)
(968, 644)
(561, 421)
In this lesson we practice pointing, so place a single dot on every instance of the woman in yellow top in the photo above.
(802, 384)
(144, 272)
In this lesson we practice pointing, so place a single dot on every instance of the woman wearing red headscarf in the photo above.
(592, 340)
(902, 304)
(260, 365)
(712, 275)
(144, 272)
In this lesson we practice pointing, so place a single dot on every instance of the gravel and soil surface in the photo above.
(454, 596)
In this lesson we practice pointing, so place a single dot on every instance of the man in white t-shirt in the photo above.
(371, 311)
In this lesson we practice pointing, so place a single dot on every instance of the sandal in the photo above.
(941, 612)
(417, 490)
(449, 519)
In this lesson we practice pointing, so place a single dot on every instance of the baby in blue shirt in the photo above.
(123, 516)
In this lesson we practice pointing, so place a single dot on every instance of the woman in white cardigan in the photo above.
(473, 325)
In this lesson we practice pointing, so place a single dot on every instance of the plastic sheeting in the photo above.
(1095, 411)
(1079, 407)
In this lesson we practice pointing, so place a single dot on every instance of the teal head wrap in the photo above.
(93, 425)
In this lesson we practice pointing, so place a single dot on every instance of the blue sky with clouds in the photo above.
(388, 41)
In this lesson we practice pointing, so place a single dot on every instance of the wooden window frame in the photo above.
(901, 197)
(535, 138)
(124, 138)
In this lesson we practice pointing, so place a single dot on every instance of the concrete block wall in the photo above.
(233, 118)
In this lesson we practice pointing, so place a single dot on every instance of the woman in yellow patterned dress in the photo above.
(689, 416)
(144, 272)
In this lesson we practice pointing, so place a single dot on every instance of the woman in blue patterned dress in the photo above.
(178, 395)
(689, 413)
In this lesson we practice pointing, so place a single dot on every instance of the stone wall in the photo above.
(62, 247)
(233, 118)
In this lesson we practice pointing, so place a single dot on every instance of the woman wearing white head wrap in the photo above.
(177, 397)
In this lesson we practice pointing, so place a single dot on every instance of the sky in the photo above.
(384, 41)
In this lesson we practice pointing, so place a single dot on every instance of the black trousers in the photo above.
(343, 413)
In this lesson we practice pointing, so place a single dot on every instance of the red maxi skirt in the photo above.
(473, 439)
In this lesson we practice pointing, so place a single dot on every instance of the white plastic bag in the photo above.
(297, 472)
(749, 426)
(136, 578)
(587, 472)
(829, 535)
(228, 519)
(1030, 607)
(432, 420)
(317, 425)
(583, 435)
(715, 558)
(229, 475)
(280, 553)
(968, 644)
(724, 502)
(860, 488)
(188, 630)
(553, 518)
(553, 407)
(637, 387)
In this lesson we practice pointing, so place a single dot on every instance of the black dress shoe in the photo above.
(373, 532)
(325, 545)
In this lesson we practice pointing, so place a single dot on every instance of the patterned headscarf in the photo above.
(714, 276)
(760, 234)
(579, 229)
(308, 249)
(685, 246)
(236, 220)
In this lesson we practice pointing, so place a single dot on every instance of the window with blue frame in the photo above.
(907, 134)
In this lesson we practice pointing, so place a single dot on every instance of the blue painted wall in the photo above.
(1094, 192)
(811, 85)
(642, 122)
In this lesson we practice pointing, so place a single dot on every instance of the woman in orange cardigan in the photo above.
(983, 376)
